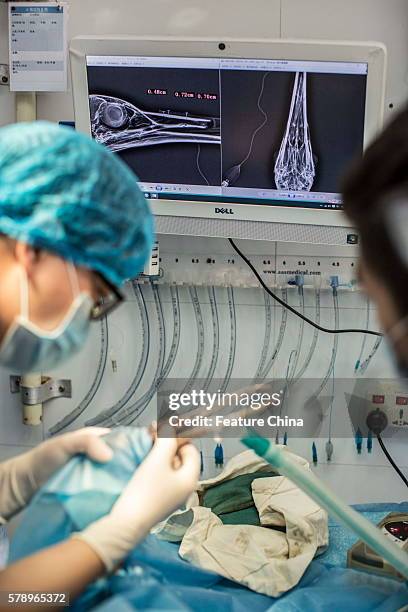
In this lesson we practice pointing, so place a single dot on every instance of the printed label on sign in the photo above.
(38, 46)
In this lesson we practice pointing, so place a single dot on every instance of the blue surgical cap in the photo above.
(63, 192)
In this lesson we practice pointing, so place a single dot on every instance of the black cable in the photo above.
(293, 310)
(390, 459)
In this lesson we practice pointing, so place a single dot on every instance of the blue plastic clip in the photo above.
(314, 453)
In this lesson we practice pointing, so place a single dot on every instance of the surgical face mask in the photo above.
(28, 348)
(391, 339)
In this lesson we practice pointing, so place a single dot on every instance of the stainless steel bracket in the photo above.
(49, 389)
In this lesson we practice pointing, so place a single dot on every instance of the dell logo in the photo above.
(224, 211)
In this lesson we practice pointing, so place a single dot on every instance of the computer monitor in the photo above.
(255, 131)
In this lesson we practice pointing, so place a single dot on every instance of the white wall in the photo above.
(357, 20)
(7, 99)
(377, 20)
(357, 478)
(324, 19)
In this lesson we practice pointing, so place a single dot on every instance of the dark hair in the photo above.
(369, 186)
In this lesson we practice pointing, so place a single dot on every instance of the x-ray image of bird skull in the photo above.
(295, 165)
(248, 133)
(120, 125)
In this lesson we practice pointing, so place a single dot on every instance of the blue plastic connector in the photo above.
(334, 282)
(314, 453)
(359, 440)
(219, 455)
(369, 441)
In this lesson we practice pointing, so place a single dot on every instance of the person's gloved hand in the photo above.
(159, 486)
(23, 475)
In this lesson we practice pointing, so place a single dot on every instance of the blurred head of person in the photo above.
(73, 227)
(375, 196)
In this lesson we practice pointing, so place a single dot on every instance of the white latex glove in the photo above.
(23, 475)
(160, 485)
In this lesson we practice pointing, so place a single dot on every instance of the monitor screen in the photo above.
(231, 130)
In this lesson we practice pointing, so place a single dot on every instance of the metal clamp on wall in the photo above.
(33, 396)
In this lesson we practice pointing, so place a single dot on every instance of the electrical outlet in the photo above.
(387, 397)
(4, 74)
